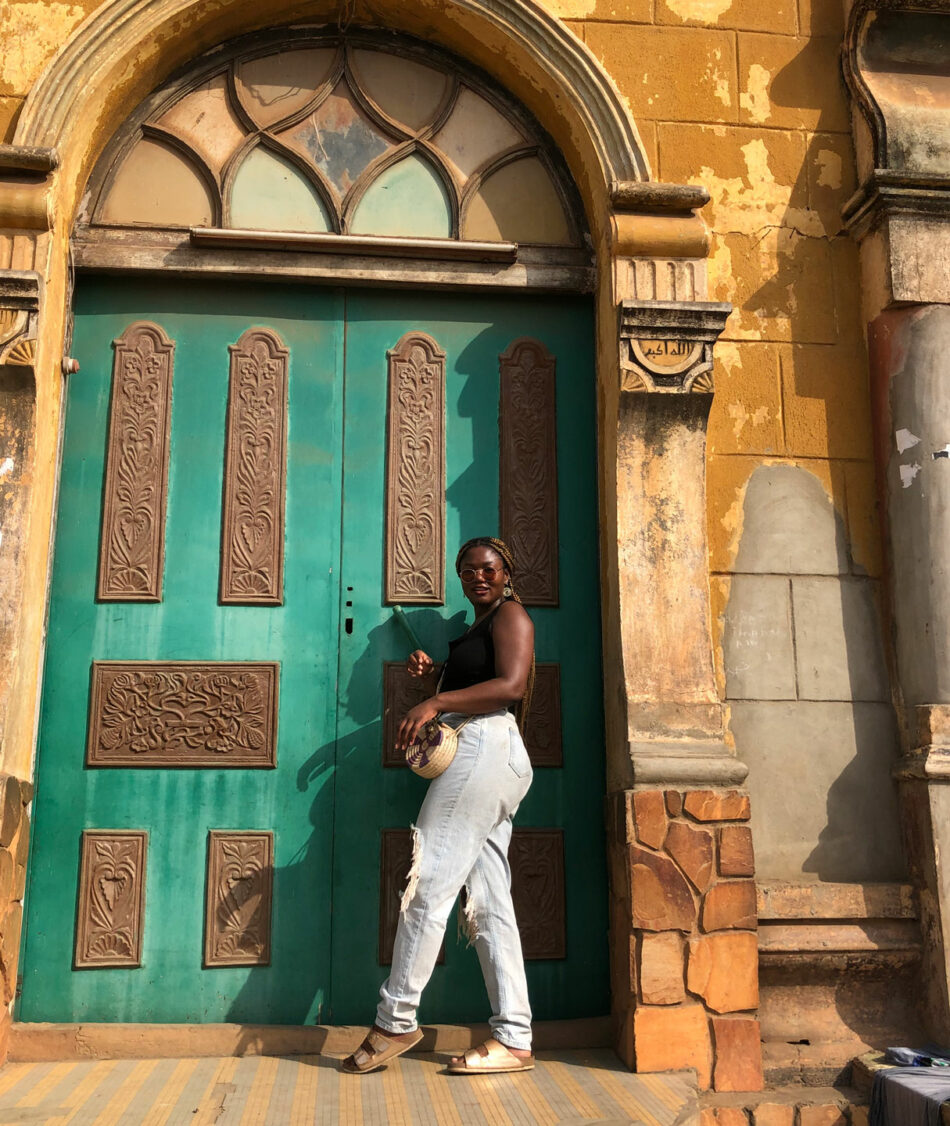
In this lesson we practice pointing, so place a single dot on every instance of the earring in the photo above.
(508, 591)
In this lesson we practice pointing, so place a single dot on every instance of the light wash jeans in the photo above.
(461, 840)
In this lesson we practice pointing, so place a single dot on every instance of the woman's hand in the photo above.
(420, 664)
(413, 722)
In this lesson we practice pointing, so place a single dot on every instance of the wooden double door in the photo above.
(250, 481)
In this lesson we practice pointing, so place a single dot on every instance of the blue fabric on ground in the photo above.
(908, 1096)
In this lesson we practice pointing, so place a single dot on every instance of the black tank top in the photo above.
(471, 657)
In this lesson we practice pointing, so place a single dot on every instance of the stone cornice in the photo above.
(890, 192)
(653, 198)
(27, 162)
(19, 289)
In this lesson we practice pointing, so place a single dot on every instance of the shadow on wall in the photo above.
(808, 690)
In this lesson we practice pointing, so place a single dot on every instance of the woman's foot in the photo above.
(492, 1056)
(379, 1047)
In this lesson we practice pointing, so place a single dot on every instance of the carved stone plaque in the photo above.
(252, 531)
(183, 713)
(667, 357)
(401, 692)
(536, 857)
(527, 424)
(394, 864)
(238, 898)
(132, 544)
(415, 473)
(111, 905)
(543, 739)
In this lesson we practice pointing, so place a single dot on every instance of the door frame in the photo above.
(663, 715)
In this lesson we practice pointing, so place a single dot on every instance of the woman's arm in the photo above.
(513, 638)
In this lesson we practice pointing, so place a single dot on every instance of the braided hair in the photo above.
(504, 552)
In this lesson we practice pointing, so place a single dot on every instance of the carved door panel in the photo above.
(395, 551)
(198, 712)
(220, 821)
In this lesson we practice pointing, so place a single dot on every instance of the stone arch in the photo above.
(127, 47)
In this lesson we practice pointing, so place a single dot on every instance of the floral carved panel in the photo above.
(111, 905)
(400, 693)
(238, 898)
(132, 545)
(527, 424)
(536, 857)
(252, 534)
(543, 730)
(395, 860)
(183, 713)
(415, 473)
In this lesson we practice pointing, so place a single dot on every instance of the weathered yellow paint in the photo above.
(702, 11)
(31, 33)
(570, 9)
(755, 97)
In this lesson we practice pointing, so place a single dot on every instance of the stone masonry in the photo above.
(683, 935)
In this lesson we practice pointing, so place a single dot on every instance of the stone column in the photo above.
(683, 905)
(895, 63)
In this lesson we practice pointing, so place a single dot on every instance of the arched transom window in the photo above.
(326, 134)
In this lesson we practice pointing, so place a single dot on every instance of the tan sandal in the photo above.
(491, 1058)
(377, 1049)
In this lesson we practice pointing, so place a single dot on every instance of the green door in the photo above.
(334, 809)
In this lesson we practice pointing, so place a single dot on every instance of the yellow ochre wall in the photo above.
(746, 98)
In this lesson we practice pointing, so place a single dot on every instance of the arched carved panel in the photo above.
(543, 729)
(132, 545)
(252, 533)
(111, 903)
(536, 857)
(238, 898)
(415, 473)
(527, 424)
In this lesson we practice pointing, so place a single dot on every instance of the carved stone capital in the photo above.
(19, 308)
(666, 347)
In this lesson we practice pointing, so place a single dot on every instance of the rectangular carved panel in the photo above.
(111, 904)
(415, 473)
(183, 713)
(536, 857)
(527, 425)
(394, 863)
(238, 898)
(132, 543)
(252, 526)
(543, 738)
(401, 692)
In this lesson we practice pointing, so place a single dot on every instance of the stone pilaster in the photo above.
(901, 218)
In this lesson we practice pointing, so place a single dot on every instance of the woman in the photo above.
(464, 827)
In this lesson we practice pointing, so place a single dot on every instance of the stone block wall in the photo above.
(15, 798)
(683, 934)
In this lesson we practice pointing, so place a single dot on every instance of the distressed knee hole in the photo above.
(412, 879)
(468, 918)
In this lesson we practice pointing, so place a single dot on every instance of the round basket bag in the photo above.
(433, 749)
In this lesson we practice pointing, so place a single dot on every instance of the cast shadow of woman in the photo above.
(295, 988)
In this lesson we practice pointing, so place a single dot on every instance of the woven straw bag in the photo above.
(433, 749)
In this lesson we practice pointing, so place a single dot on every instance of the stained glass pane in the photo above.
(474, 134)
(157, 185)
(409, 199)
(407, 91)
(205, 120)
(270, 194)
(517, 203)
(275, 86)
(339, 138)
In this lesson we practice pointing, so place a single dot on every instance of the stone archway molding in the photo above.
(127, 47)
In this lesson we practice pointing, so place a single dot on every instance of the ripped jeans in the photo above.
(461, 840)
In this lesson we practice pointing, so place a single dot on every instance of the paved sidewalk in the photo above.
(567, 1087)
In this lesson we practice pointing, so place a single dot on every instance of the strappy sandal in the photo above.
(377, 1049)
(491, 1057)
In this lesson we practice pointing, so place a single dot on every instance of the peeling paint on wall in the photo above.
(703, 11)
(570, 9)
(905, 440)
(6, 466)
(829, 169)
(908, 473)
(32, 33)
(756, 96)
